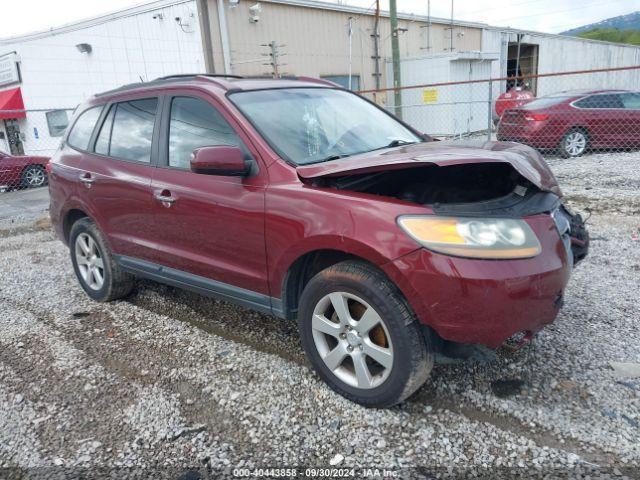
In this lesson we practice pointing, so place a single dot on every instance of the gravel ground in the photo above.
(169, 383)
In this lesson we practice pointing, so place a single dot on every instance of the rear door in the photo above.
(116, 175)
(213, 227)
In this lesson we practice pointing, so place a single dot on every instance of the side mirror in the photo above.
(220, 160)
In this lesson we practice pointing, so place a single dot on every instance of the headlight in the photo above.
(498, 238)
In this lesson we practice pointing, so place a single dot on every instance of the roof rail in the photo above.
(162, 80)
(188, 75)
(320, 81)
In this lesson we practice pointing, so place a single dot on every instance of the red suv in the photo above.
(303, 200)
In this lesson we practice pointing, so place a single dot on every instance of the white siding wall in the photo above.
(560, 54)
(126, 49)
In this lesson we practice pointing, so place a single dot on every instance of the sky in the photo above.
(553, 16)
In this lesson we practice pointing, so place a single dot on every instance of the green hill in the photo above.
(613, 35)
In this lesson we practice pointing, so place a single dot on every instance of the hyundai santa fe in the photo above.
(299, 199)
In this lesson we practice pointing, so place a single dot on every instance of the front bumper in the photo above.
(487, 301)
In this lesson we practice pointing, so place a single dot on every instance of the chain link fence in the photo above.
(566, 113)
(28, 138)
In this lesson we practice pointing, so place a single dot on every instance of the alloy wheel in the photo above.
(575, 143)
(352, 340)
(89, 260)
(35, 177)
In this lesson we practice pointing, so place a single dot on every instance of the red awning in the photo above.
(11, 100)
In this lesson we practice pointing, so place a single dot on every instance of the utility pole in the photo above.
(395, 54)
(451, 39)
(350, 50)
(274, 54)
(376, 46)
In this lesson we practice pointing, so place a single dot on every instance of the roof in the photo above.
(224, 82)
(93, 21)
(341, 7)
(579, 92)
(158, 4)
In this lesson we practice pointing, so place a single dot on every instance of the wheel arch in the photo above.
(71, 217)
(305, 267)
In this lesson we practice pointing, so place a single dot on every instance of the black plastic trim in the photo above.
(202, 285)
(509, 206)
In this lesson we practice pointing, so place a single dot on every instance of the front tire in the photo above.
(574, 143)
(98, 273)
(362, 337)
(33, 176)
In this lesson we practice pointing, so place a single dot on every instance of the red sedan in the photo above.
(22, 171)
(574, 122)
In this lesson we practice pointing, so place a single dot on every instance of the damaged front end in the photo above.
(480, 294)
(499, 180)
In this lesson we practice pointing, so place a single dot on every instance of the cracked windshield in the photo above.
(316, 125)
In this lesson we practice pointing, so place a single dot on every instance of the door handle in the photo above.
(86, 179)
(165, 197)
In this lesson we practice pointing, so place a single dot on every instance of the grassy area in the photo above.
(631, 37)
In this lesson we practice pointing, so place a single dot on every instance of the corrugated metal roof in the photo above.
(339, 7)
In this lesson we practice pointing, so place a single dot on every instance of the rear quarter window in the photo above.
(80, 134)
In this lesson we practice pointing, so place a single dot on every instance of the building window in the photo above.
(57, 121)
(343, 80)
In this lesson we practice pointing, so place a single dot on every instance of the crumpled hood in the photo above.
(525, 160)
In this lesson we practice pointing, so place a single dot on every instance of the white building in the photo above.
(51, 72)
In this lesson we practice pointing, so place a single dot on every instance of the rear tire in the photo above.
(33, 176)
(574, 143)
(371, 349)
(98, 273)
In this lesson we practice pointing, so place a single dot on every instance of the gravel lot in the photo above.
(169, 382)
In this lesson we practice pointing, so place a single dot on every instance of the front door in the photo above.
(207, 225)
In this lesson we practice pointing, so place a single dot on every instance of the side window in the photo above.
(194, 123)
(600, 101)
(631, 100)
(132, 131)
(104, 137)
(83, 128)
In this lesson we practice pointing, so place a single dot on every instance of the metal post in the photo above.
(205, 27)
(376, 46)
(490, 111)
(451, 39)
(350, 51)
(515, 84)
(428, 26)
(224, 38)
(395, 54)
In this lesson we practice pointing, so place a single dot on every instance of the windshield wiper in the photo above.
(332, 157)
(397, 142)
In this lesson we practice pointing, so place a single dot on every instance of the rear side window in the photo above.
(631, 100)
(544, 102)
(600, 101)
(195, 123)
(132, 130)
(83, 128)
